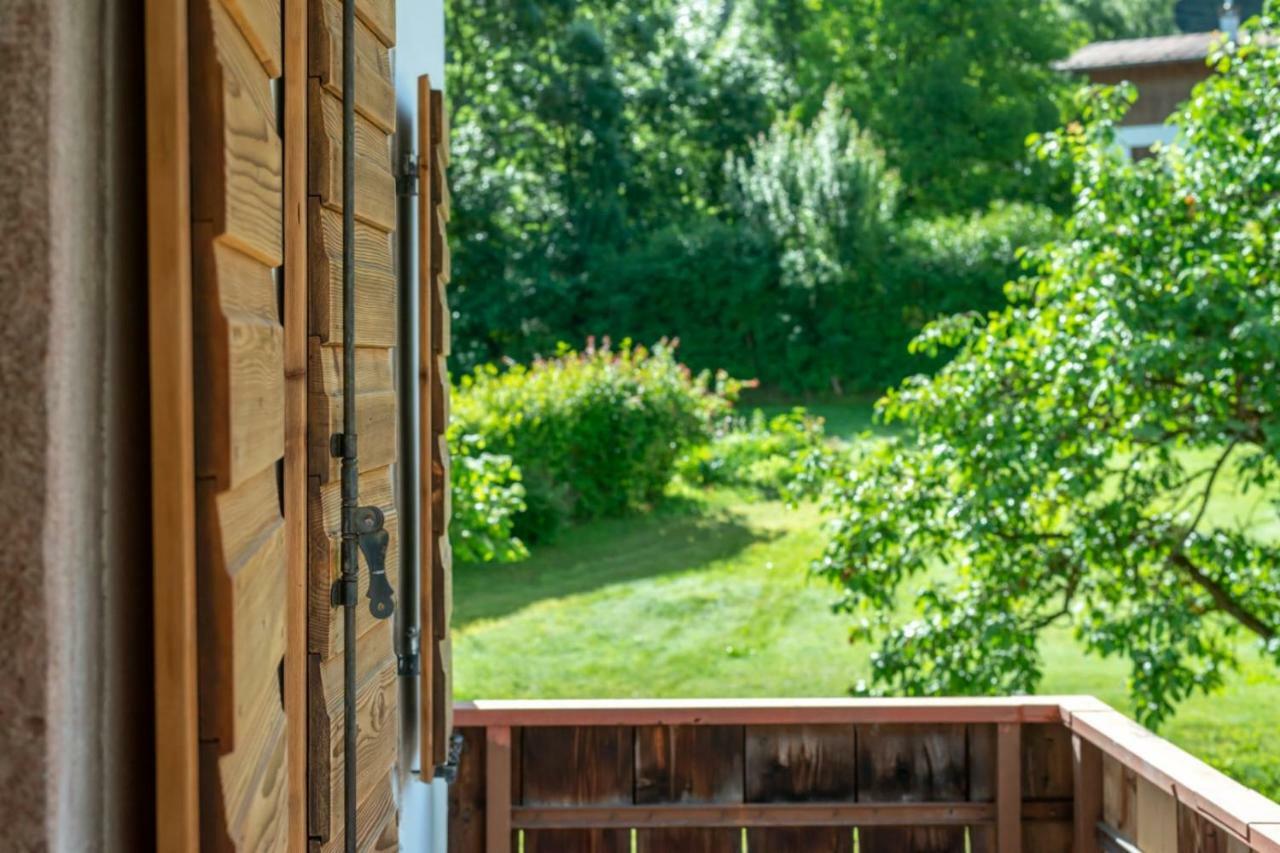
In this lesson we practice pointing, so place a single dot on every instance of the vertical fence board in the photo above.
(1087, 794)
(1157, 819)
(564, 766)
(912, 763)
(466, 796)
(689, 764)
(1119, 797)
(787, 764)
(893, 839)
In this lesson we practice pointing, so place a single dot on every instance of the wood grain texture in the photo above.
(375, 95)
(375, 184)
(1047, 836)
(683, 840)
(1086, 781)
(380, 17)
(577, 841)
(689, 764)
(260, 21)
(375, 409)
(237, 184)
(1157, 818)
(800, 764)
(433, 622)
(239, 363)
(1119, 797)
(909, 763)
(173, 490)
(376, 710)
(1046, 763)
(242, 642)
(1009, 785)
(818, 839)
(375, 822)
(578, 766)
(467, 796)
(375, 280)
(295, 408)
(937, 839)
(325, 622)
(1199, 834)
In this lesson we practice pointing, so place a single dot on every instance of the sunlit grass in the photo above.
(711, 597)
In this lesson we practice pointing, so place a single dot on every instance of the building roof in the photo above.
(1127, 53)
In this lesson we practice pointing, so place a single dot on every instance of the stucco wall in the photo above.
(74, 544)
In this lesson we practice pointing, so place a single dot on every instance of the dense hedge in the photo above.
(593, 434)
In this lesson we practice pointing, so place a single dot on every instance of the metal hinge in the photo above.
(448, 771)
(407, 176)
(410, 663)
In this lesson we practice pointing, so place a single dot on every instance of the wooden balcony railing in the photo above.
(1039, 774)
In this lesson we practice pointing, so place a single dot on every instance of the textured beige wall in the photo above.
(74, 567)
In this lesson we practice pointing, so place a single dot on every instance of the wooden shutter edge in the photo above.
(170, 342)
(296, 300)
(426, 375)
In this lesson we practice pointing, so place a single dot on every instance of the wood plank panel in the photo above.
(380, 17)
(1119, 797)
(239, 363)
(467, 796)
(260, 21)
(577, 766)
(800, 764)
(1157, 815)
(909, 763)
(242, 642)
(375, 281)
(1046, 763)
(294, 305)
(375, 184)
(689, 764)
(1086, 779)
(936, 839)
(376, 710)
(238, 181)
(375, 95)
(1047, 836)
(375, 409)
(819, 839)
(1199, 834)
(325, 632)
(173, 452)
(375, 822)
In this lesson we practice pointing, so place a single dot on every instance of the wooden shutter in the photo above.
(437, 572)
(237, 247)
(375, 336)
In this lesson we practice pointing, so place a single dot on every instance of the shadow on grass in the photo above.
(675, 538)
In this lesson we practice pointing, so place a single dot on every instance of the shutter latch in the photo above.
(407, 176)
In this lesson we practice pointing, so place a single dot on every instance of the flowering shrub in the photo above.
(594, 433)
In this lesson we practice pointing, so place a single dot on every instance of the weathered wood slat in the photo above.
(916, 839)
(242, 641)
(375, 95)
(1199, 834)
(466, 796)
(901, 763)
(375, 409)
(260, 22)
(1046, 763)
(800, 764)
(238, 182)
(239, 363)
(1157, 819)
(376, 704)
(375, 280)
(375, 184)
(689, 764)
(375, 822)
(844, 815)
(818, 839)
(1119, 797)
(241, 574)
(325, 622)
(577, 766)
(380, 17)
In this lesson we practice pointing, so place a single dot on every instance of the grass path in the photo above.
(717, 602)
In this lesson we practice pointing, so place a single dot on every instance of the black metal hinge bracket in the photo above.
(410, 663)
(407, 176)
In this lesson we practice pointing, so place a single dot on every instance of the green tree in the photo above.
(951, 90)
(1124, 19)
(1067, 465)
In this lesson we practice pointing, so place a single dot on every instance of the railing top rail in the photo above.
(656, 712)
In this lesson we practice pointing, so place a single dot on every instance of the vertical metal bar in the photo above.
(350, 467)
(1009, 788)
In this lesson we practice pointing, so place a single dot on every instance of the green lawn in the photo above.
(710, 597)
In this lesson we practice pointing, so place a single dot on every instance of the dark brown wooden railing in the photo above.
(1037, 774)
